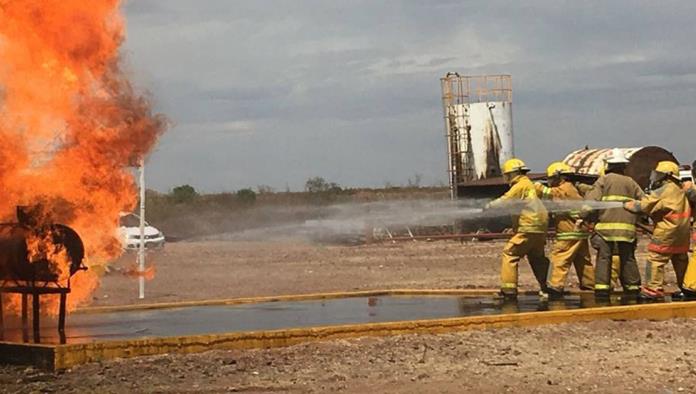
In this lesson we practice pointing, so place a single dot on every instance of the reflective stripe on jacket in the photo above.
(533, 217)
(565, 222)
(669, 209)
(615, 224)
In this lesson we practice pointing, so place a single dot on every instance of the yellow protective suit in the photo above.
(689, 282)
(530, 227)
(669, 209)
(571, 246)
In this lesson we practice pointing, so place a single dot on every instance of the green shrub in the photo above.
(318, 184)
(183, 194)
(246, 196)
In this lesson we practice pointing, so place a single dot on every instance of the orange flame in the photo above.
(70, 121)
(133, 271)
(40, 246)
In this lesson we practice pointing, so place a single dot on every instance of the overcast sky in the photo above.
(275, 92)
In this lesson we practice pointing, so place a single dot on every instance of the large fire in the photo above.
(71, 123)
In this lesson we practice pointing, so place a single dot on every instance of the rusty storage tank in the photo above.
(15, 263)
(641, 161)
(478, 126)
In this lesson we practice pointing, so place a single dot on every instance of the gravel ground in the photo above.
(603, 356)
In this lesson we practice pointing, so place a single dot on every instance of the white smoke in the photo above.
(359, 218)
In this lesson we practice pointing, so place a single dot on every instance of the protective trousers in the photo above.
(688, 284)
(520, 245)
(655, 268)
(615, 261)
(628, 271)
(571, 252)
(615, 266)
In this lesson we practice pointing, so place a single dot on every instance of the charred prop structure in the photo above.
(38, 258)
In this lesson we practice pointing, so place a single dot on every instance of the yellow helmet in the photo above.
(558, 168)
(514, 165)
(668, 167)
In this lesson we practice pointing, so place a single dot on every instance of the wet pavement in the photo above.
(201, 320)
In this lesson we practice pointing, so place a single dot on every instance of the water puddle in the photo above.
(200, 320)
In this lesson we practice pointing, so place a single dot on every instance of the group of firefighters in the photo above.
(610, 228)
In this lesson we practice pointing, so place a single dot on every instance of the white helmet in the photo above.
(616, 156)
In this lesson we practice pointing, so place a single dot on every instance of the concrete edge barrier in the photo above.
(66, 356)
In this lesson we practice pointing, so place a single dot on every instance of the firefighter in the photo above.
(616, 227)
(669, 209)
(529, 225)
(571, 246)
(688, 289)
(584, 188)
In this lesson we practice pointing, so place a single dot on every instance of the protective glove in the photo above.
(585, 210)
(579, 224)
(630, 206)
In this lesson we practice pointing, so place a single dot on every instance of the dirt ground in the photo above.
(224, 269)
(227, 269)
(603, 356)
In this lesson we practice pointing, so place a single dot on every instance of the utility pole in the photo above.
(141, 249)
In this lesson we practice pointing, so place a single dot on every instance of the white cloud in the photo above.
(350, 89)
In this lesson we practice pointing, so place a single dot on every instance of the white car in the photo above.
(129, 233)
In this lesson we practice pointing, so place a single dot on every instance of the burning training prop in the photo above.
(38, 257)
(71, 124)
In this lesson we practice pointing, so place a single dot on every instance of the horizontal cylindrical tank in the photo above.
(642, 160)
(16, 263)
